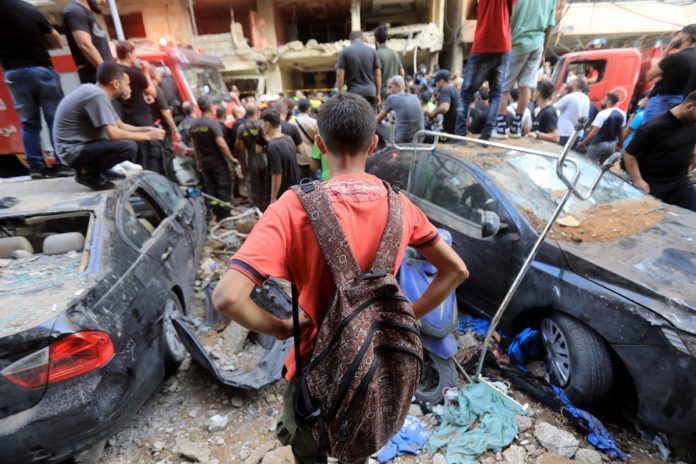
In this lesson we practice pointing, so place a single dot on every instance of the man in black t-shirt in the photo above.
(359, 67)
(447, 101)
(34, 84)
(88, 43)
(661, 155)
(251, 150)
(281, 152)
(136, 110)
(676, 73)
(545, 117)
(212, 155)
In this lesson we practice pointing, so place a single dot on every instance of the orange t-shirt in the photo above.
(283, 244)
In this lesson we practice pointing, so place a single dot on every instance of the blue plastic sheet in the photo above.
(410, 439)
(477, 325)
(525, 346)
(598, 434)
(495, 419)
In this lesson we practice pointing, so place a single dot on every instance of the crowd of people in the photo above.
(119, 119)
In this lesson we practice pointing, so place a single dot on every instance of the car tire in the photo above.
(437, 374)
(577, 358)
(173, 350)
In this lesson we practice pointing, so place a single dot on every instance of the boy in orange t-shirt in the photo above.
(284, 245)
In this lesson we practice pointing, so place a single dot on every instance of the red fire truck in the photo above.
(186, 75)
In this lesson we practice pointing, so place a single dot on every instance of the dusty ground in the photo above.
(172, 427)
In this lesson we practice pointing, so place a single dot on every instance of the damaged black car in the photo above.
(611, 290)
(89, 285)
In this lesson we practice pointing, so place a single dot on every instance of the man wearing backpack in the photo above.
(363, 227)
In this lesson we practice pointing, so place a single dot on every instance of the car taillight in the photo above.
(68, 357)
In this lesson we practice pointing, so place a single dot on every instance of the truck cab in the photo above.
(186, 75)
(618, 70)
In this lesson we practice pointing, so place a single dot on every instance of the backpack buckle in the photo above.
(372, 275)
(307, 185)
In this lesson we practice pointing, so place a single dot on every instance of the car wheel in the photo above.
(173, 349)
(437, 374)
(577, 359)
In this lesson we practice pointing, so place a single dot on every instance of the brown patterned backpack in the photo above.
(357, 389)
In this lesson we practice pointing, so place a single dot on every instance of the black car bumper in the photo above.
(665, 382)
(76, 414)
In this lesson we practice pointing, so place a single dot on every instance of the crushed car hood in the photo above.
(655, 268)
(35, 289)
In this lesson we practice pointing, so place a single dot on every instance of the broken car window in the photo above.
(139, 218)
(450, 185)
(167, 192)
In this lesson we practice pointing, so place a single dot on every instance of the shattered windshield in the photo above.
(532, 184)
(205, 81)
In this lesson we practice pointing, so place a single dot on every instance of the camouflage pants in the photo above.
(304, 447)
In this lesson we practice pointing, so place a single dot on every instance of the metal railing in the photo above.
(570, 183)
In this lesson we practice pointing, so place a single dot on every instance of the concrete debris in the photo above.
(237, 402)
(588, 456)
(260, 452)
(524, 423)
(555, 440)
(439, 459)
(194, 452)
(279, 456)
(415, 411)
(217, 423)
(549, 458)
(193, 413)
(230, 342)
(515, 455)
(157, 446)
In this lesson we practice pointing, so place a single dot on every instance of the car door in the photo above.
(454, 197)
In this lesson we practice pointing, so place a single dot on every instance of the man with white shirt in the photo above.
(572, 107)
(606, 134)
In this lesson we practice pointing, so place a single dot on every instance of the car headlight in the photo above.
(682, 341)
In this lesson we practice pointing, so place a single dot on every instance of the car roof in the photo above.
(57, 195)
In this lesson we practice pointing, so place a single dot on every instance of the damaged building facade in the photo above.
(272, 46)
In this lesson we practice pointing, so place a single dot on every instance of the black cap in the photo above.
(442, 75)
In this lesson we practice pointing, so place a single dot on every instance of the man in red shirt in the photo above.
(489, 58)
(284, 245)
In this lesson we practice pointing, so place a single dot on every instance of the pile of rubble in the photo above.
(193, 418)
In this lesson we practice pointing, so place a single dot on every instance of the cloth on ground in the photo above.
(597, 434)
(481, 419)
(410, 439)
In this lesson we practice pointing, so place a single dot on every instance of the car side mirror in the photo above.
(192, 192)
(490, 226)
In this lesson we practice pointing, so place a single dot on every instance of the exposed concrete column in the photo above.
(266, 23)
(355, 15)
(453, 56)
(437, 13)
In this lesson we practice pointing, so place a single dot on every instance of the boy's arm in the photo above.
(232, 297)
(451, 272)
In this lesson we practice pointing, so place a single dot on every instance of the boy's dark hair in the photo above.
(381, 34)
(220, 112)
(204, 103)
(109, 71)
(271, 116)
(545, 89)
(690, 30)
(442, 75)
(123, 48)
(613, 98)
(483, 93)
(346, 124)
(515, 94)
(303, 105)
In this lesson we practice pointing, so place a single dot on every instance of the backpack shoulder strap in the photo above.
(332, 240)
(388, 250)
